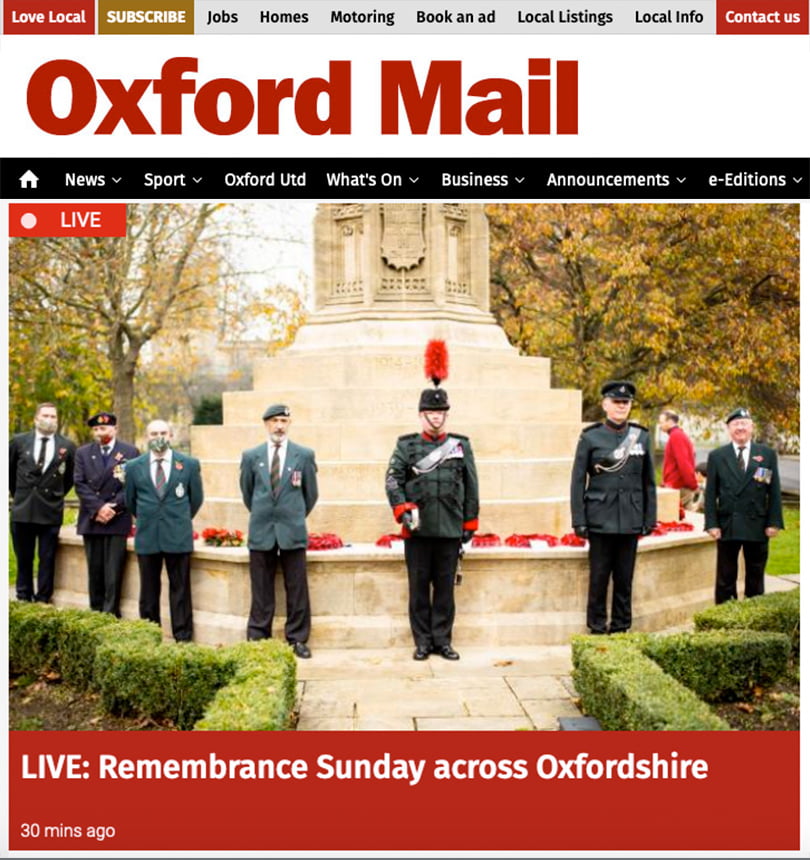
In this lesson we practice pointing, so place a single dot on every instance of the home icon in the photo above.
(29, 179)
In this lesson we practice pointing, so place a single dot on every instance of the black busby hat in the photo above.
(619, 389)
(739, 412)
(436, 369)
(274, 410)
(102, 419)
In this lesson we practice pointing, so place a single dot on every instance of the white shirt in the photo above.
(166, 456)
(50, 448)
(746, 452)
(282, 455)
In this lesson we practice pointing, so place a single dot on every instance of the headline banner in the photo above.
(407, 791)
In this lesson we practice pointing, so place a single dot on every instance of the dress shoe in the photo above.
(422, 652)
(301, 650)
(447, 652)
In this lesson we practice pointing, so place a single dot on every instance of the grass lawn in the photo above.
(783, 556)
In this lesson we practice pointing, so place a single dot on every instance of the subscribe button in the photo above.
(67, 219)
(770, 17)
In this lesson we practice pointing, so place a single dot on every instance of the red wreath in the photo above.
(324, 541)
(387, 540)
(525, 541)
(486, 540)
(572, 540)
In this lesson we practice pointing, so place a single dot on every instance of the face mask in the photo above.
(45, 425)
(104, 440)
(159, 444)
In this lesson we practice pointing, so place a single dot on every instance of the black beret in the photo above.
(619, 389)
(102, 418)
(274, 410)
(433, 400)
(739, 412)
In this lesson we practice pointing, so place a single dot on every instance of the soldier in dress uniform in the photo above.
(613, 503)
(743, 504)
(104, 521)
(432, 487)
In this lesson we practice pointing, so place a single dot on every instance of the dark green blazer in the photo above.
(743, 504)
(164, 524)
(280, 521)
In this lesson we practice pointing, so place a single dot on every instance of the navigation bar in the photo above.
(422, 178)
(406, 17)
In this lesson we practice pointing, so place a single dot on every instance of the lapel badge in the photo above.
(180, 491)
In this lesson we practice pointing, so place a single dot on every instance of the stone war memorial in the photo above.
(389, 277)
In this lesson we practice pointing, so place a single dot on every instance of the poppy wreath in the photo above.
(324, 541)
(223, 537)
(387, 540)
(663, 528)
(572, 540)
(485, 539)
(525, 541)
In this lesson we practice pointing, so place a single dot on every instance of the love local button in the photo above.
(67, 219)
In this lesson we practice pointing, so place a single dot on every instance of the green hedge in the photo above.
(627, 691)
(722, 665)
(777, 612)
(261, 693)
(136, 673)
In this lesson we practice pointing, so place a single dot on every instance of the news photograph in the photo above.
(435, 487)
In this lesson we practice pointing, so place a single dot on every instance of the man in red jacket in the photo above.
(679, 458)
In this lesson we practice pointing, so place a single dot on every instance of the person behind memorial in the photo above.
(104, 521)
(613, 503)
(40, 475)
(743, 506)
(164, 491)
(678, 469)
(432, 487)
(279, 486)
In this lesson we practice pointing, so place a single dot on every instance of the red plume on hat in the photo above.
(436, 361)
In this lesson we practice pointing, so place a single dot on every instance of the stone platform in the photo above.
(359, 593)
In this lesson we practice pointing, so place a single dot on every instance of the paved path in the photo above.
(525, 687)
(501, 689)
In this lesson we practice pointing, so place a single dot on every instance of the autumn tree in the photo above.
(697, 303)
(86, 311)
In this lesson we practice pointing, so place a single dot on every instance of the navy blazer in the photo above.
(743, 504)
(164, 524)
(99, 483)
(279, 521)
(39, 496)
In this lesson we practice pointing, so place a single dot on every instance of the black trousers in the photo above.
(263, 565)
(611, 556)
(24, 537)
(755, 553)
(178, 568)
(432, 564)
(106, 559)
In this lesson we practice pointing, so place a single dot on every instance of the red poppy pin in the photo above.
(758, 458)
(119, 456)
(178, 465)
(62, 452)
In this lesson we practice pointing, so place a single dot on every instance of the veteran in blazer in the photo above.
(743, 506)
(104, 521)
(279, 485)
(613, 503)
(40, 475)
(164, 491)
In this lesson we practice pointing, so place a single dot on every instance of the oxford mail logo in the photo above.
(545, 102)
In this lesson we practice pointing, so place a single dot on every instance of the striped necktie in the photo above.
(160, 477)
(275, 472)
(741, 459)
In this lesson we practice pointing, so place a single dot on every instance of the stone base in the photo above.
(359, 594)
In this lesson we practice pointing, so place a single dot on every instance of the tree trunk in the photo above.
(123, 384)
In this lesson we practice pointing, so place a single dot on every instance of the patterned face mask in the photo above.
(159, 444)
